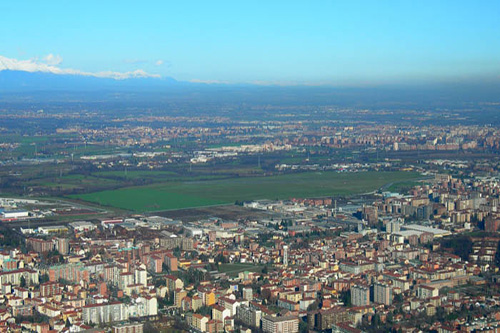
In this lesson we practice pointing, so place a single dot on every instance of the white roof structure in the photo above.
(435, 231)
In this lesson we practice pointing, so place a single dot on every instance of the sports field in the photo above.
(235, 268)
(188, 194)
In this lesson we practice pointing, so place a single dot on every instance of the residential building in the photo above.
(280, 324)
(382, 293)
(360, 295)
(250, 316)
(104, 313)
(128, 328)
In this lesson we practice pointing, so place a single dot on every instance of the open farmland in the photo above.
(177, 195)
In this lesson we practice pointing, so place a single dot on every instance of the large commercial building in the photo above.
(14, 214)
(421, 229)
(81, 226)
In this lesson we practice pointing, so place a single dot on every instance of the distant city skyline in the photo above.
(342, 43)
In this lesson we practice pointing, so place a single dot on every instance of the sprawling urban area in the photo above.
(325, 221)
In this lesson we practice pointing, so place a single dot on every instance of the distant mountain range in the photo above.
(11, 80)
(16, 85)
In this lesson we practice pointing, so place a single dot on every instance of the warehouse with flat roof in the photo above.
(435, 231)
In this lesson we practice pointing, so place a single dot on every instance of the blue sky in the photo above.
(312, 42)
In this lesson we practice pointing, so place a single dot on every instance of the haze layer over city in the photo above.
(233, 166)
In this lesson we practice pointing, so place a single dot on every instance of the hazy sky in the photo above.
(338, 42)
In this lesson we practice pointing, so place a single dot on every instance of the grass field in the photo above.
(402, 186)
(135, 174)
(187, 194)
(151, 175)
(234, 269)
(73, 182)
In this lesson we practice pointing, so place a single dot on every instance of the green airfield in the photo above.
(190, 194)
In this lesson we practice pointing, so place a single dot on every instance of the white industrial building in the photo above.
(15, 214)
(82, 226)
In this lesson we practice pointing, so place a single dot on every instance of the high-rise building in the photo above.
(393, 226)
(491, 224)
(382, 293)
(178, 296)
(248, 294)
(249, 315)
(370, 214)
(285, 255)
(171, 262)
(323, 320)
(360, 295)
(62, 245)
(39, 245)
